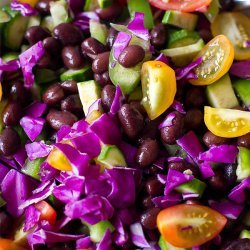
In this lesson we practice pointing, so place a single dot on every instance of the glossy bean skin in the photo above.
(154, 187)
(56, 118)
(148, 218)
(72, 57)
(110, 13)
(53, 95)
(92, 47)
(12, 114)
(169, 135)
(210, 139)
(159, 36)
(9, 142)
(103, 79)
(131, 56)
(107, 96)
(230, 174)
(131, 120)
(72, 104)
(43, 6)
(195, 97)
(147, 153)
(244, 141)
(18, 93)
(35, 34)
(52, 45)
(194, 119)
(68, 34)
(101, 63)
(147, 202)
(69, 86)
(218, 182)
(111, 37)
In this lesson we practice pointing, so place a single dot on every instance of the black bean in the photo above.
(147, 153)
(12, 114)
(131, 121)
(183, 166)
(240, 244)
(9, 141)
(147, 202)
(170, 134)
(194, 119)
(68, 34)
(52, 46)
(53, 95)
(18, 93)
(101, 63)
(159, 36)
(195, 97)
(244, 141)
(210, 139)
(43, 6)
(69, 86)
(35, 34)
(72, 104)
(137, 105)
(148, 219)
(107, 96)
(56, 118)
(110, 13)
(5, 224)
(92, 47)
(103, 79)
(230, 174)
(206, 35)
(131, 56)
(150, 131)
(111, 37)
(45, 61)
(218, 182)
(154, 187)
(72, 57)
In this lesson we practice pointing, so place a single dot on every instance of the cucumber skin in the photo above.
(242, 88)
(83, 76)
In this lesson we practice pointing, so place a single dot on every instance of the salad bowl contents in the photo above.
(125, 124)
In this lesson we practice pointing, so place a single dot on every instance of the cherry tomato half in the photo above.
(181, 5)
(48, 213)
(228, 123)
(7, 244)
(235, 26)
(30, 2)
(158, 87)
(189, 225)
(217, 58)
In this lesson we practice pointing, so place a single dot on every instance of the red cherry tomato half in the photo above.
(48, 213)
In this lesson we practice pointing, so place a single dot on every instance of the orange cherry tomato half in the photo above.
(48, 213)
(7, 244)
(30, 2)
(181, 5)
(1, 91)
(189, 225)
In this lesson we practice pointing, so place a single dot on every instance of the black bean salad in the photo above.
(125, 124)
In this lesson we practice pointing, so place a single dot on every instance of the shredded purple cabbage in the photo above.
(168, 121)
(121, 42)
(240, 69)
(24, 8)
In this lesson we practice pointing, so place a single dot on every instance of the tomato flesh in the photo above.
(189, 225)
(235, 26)
(158, 87)
(217, 58)
(48, 213)
(7, 244)
(181, 5)
(228, 123)
(30, 2)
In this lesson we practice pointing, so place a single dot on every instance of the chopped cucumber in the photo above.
(91, 5)
(89, 92)
(221, 94)
(213, 10)
(243, 167)
(20, 237)
(97, 230)
(78, 75)
(180, 38)
(45, 76)
(104, 3)
(194, 186)
(245, 234)
(14, 32)
(34, 21)
(144, 7)
(164, 245)
(98, 31)
(2, 201)
(48, 23)
(183, 55)
(180, 19)
(10, 56)
(22, 135)
(32, 168)
(136, 95)
(175, 150)
(4, 17)
(59, 12)
(111, 156)
(242, 88)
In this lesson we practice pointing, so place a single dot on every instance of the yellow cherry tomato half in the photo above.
(158, 87)
(186, 226)
(30, 2)
(217, 58)
(235, 26)
(228, 123)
